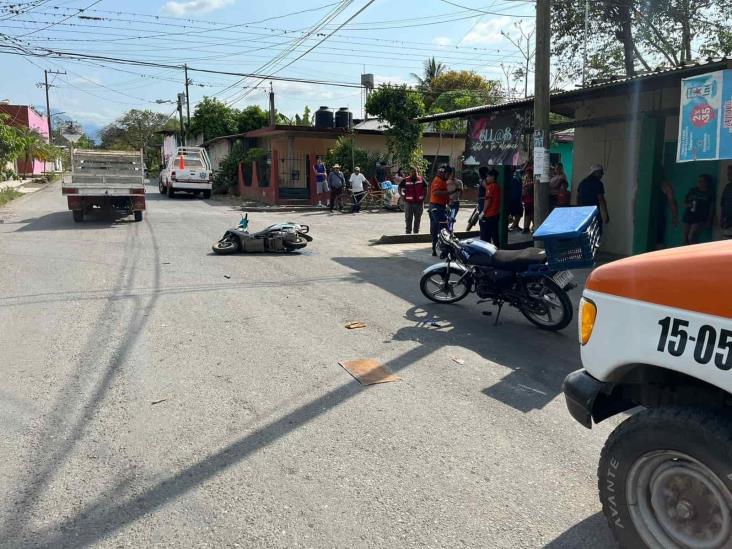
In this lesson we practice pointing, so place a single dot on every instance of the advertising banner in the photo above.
(705, 118)
(495, 139)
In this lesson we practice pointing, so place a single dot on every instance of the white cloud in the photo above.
(396, 80)
(442, 40)
(488, 32)
(178, 9)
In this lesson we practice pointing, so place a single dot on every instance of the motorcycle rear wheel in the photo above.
(549, 307)
(445, 286)
(225, 246)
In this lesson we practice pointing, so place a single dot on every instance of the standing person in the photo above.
(455, 186)
(439, 198)
(336, 182)
(413, 188)
(558, 180)
(482, 174)
(725, 218)
(357, 181)
(527, 198)
(398, 178)
(667, 200)
(591, 192)
(491, 215)
(320, 180)
(699, 210)
(515, 207)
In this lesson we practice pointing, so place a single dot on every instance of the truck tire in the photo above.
(138, 215)
(161, 186)
(171, 192)
(206, 194)
(78, 215)
(665, 479)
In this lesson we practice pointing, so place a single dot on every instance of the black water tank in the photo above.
(343, 118)
(324, 118)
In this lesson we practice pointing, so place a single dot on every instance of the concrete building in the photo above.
(27, 117)
(284, 174)
(631, 127)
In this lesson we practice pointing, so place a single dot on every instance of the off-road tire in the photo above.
(703, 435)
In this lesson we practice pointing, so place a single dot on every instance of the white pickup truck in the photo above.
(189, 170)
(108, 180)
(656, 336)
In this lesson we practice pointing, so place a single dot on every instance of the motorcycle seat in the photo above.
(518, 260)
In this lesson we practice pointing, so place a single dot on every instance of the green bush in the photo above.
(227, 176)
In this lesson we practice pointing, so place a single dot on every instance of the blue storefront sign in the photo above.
(705, 119)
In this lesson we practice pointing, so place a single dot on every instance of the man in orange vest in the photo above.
(439, 198)
(413, 188)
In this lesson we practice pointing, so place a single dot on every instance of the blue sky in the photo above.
(389, 38)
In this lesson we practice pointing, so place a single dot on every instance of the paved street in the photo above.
(155, 395)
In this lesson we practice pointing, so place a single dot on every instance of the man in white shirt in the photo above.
(357, 181)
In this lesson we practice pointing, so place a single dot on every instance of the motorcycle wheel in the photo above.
(445, 286)
(292, 245)
(548, 306)
(225, 246)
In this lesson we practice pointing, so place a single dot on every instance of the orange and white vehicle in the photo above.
(656, 336)
(187, 170)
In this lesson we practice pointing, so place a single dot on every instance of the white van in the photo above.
(187, 170)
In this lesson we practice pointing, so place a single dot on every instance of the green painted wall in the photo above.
(564, 150)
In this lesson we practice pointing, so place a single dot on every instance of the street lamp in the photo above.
(164, 101)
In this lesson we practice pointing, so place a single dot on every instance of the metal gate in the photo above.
(294, 177)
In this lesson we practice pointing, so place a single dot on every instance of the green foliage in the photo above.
(432, 69)
(399, 107)
(6, 195)
(227, 175)
(136, 130)
(345, 154)
(10, 144)
(35, 147)
(214, 118)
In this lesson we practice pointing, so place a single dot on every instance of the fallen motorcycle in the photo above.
(279, 238)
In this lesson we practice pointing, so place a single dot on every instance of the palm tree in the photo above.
(34, 147)
(432, 69)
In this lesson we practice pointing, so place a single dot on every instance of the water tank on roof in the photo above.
(324, 118)
(343, 118)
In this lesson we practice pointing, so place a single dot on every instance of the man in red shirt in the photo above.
(439, 197)
(491, 215)
(413, 188)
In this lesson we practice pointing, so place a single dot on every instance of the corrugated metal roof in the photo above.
(695, 68)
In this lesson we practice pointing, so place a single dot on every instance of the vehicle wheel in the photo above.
(445, 287)
(206, 195)
(374, 204)
(225, 246)
(138, 215)
(161, 186)
(291, 245)
(171, 192)
(664, 480)
(78, 215)
(548, 306)
(400, 204)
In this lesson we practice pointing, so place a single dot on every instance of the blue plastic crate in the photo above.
(571, 237)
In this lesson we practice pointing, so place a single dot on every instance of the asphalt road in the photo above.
(155, 395)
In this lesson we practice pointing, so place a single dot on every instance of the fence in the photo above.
(294, 177)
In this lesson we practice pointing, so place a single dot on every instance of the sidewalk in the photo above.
(24, 186)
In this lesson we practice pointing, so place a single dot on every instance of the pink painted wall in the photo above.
(23, 115)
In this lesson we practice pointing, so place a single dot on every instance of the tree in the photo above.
(462, 90)
(425, 83)
(251, 118)
(305, 119)
(33, 146)
(10, 144)
(522, 41)
(137, 130)
(399, 106)
(625, 36)
(213, 118)
(227, 175)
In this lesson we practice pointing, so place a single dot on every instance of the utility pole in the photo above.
(48, 102)
(272, 112)
(181, 98)
(188, 103)
(541, 113)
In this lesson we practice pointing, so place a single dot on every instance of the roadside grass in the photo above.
(6, 195)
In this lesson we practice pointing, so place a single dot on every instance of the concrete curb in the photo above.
(427, 238)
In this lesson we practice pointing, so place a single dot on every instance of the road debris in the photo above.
(355, 325)
(227, 276)
(154, 402)
(368, 371)
(458, 360)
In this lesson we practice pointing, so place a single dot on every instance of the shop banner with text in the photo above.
(495, 139)
(705, 118)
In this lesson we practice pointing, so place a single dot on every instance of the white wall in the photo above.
(217, 151)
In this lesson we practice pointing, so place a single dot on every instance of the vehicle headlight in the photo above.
(587, 314)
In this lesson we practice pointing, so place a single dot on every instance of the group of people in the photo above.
(330, 185)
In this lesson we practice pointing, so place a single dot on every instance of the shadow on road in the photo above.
(591, 532)
(60, 221)
(539, 360)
